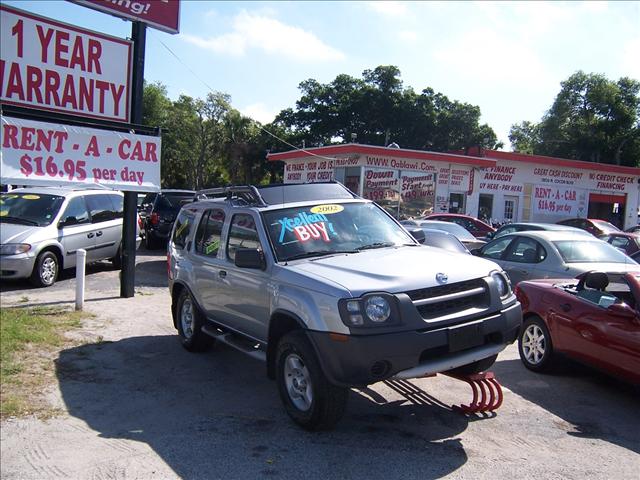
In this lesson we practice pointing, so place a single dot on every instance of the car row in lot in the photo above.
(43, 228)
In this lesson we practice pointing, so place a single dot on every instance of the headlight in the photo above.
(14, 248)
(502, 282)
(377, 309)
(372, 310)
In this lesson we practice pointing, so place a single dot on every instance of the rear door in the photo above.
(207, 263)
(521, 259)
(107, 225)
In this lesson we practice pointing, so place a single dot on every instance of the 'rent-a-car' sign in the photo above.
(49, 65)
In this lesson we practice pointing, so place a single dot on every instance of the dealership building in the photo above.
(487, 184)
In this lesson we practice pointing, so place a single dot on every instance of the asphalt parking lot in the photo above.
(136, 405)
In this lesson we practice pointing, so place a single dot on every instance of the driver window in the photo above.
(242, 234)
(77, 208)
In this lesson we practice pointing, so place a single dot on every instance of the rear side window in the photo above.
(118, 204)
(209, 231)
(101, 208)
(182, 228)
(243, 234)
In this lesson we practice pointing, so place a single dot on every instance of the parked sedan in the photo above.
(595, 227)
(458, 231)
(593, 319)
(532, 255)
(629, 242)
(478, 228)
(530, 226)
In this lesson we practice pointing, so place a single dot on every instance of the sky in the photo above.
(508, 58)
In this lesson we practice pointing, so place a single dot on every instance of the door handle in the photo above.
(99, 234)
(565, 307)
(222, 274)
(90, 235)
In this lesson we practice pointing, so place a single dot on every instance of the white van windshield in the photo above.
(35, 209)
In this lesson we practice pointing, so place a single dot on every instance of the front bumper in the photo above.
(365, 359)
(16, 266)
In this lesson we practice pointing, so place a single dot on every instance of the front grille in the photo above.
(445, 300)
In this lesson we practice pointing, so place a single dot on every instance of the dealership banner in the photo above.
(39, 153)
(53, 66)
(161, 14)
(558, 201)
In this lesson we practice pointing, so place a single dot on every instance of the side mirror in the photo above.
(68, 221)
(250, 258)
(476, 252)
(417, 234)
(621, 310)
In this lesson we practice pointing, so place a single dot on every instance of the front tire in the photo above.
(309, 398)
(150, 243)
(45, 270)
(190, 321)
(535, 346)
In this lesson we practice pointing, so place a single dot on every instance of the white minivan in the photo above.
(42, 228)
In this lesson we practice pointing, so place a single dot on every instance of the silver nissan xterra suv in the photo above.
(331, 292)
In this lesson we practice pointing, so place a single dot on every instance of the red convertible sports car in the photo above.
(594, 319)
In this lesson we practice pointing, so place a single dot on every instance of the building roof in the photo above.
(551, 161)
(330, 151)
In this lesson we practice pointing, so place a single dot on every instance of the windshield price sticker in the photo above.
(327, 209)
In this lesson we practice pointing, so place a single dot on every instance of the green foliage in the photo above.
(205, 143)
(592, 119)
(28, 337)
(377, 110)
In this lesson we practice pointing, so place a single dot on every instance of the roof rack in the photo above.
(247, 193)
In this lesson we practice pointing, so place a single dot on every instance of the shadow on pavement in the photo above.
(591, 404)
(217, 415)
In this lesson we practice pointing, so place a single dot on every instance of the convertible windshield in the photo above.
(590, 251)
(29, 208)
(325, 229)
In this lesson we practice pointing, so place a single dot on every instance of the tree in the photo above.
(377, 110)
(592, 119)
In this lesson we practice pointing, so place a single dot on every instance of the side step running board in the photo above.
(242, 344)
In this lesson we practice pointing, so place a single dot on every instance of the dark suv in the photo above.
(158, 212)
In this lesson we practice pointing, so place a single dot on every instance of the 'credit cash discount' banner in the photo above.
(38, 153)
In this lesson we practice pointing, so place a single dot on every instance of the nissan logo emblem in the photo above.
(442, 278)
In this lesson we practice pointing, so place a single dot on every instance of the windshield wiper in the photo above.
(377, 245)
(317, 253)
(23, 221)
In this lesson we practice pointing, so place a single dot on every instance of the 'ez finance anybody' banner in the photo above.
(38, 153)
(58, 67)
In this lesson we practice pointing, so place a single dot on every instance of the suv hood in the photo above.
(395, 269)
(15, 233)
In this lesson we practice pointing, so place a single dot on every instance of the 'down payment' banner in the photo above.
(39, 153)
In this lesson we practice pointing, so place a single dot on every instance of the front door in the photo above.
(78, 233)
(244, 291)
(510, 209)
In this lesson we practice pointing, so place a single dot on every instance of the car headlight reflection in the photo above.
(14, 248)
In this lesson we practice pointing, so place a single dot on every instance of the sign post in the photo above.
(127, 281)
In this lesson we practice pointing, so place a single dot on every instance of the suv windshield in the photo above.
(35, 209)
(324, 229)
